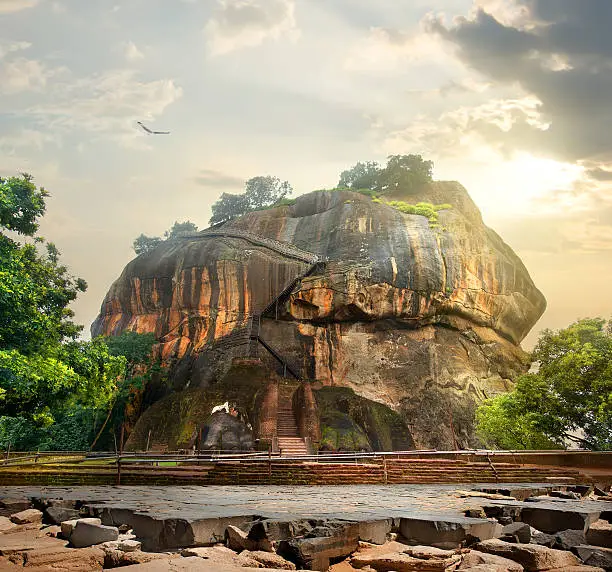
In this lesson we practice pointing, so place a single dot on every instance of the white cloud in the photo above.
(241, 24)
(13, 47)
(22, 74)
(10, 6)
(107, 103)
(386, 50)
(132, 53)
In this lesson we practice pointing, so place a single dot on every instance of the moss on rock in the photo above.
(353, 423)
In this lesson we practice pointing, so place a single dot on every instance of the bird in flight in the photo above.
(150, 132)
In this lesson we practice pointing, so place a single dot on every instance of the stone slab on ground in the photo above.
(191, 564)
(555, 519)
(61, 558)
(89, 534)
(447, 532)
(67, 526)
(595, 556)
(495, 563)
(28, 516)
(532, 557)
(600, 534)
(6, 524)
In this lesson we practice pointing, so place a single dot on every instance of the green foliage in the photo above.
(45, 374)
(361, 176)
(143, 244)
(260, 192)
(402, 172)
(427, 210)
(284, 203)
(21, 204)
(180, 228)
(500, 425)
(568, 399)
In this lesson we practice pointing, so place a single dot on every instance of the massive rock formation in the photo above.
(423, 319)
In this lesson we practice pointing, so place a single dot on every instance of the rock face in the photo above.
(423, 320)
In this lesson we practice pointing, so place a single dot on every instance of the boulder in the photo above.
(315, 551)
(59, 514)
(600, 534)
(594, 556)
(447, 532)
(61, 559)
(9, 506)
(503, 512)
(474, 559)
(268, 560)
(114, 558)
(129, 545)
(238, 540)
(532, 557)
(468, 298)
(375, 531)
(402, 562)
(567, 539)
(6, 524)
(68, 525)
(551, 520)
(542, 538)
(28, 516)
(520, 530)
(89, 534)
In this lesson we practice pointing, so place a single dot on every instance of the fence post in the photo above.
(148, 441)
(385, 469)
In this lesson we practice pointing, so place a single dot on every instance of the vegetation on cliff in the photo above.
(402, 172)
(145, 243)
(569, 398)
(51, 383)
(260, 192)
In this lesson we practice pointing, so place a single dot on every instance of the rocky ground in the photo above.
(531, 528)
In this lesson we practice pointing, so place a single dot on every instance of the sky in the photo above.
(509, 97)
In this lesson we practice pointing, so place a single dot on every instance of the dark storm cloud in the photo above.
(563, 56)
(218, 180)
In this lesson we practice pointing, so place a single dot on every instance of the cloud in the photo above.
(22, 74)
(241, 24)
(386, 49)
(106, 104)
(13, 47)
(219, 180)
(11, 6)
(557, 51)
(132, 53)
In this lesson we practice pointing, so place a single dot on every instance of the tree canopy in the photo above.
(260, 192)
(143, 243)
(402, 172)
(569, 398)
(47, 376)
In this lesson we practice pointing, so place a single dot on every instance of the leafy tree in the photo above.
(21, 204)
(405, 172)
(568, 399)
(143, 243)
(43, 369)
(260, 192)
(179, 228)
(402, 172)
(361, 176)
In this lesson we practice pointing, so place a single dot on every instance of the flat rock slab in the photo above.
(89, 534)
(28, 516)
(600, 534)
(479, 560)
(190, 564)
(595, 556)
(532, 557)
(443, 532)
(552, 519)
(61, 558)
(67, 527)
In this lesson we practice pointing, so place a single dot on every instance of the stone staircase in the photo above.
(290, 443)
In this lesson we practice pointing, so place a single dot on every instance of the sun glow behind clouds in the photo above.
(526, 186)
